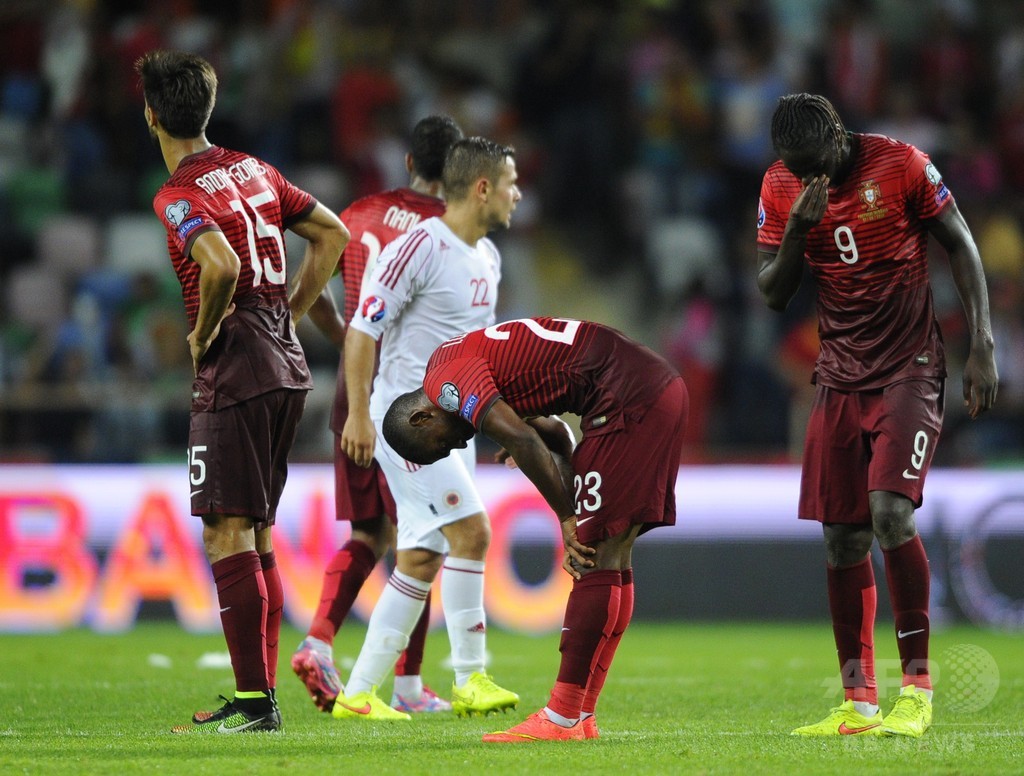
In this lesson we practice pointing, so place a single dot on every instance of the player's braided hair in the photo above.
(806, 122)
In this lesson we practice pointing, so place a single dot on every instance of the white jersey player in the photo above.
(435, 282)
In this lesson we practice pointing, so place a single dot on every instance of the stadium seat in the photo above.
(69, 244)
(33, 298)
(35, 194)
(135, 242)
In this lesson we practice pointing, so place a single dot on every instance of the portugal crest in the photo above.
(871, 197)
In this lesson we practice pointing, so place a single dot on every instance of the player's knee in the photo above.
(892, 518)
(470, 538)
(847, 547)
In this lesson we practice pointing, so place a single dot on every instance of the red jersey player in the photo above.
(857, 210)
(505, 381)
(225, 213)
(361, 493)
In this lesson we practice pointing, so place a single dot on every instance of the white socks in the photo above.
(387, 634)
(462, 598)
(866, 709)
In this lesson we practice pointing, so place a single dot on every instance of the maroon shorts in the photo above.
(360, 494)
(628, 476)
(238, 456)
(859, 441)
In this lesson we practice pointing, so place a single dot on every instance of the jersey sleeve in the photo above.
(927, 194)
(464, 386)
(393, 282)
(296, 204)
(771, 222)
(184, 215)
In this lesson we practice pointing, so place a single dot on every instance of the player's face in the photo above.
(806, 163)
(446, 432)
(504, 197)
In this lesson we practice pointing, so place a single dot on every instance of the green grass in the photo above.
(693, 698)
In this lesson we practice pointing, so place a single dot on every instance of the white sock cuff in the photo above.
(410, 586)
(464, 564)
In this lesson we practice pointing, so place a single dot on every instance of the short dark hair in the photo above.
(432, 138)
(806, 122)
(397, 430)
(181, 88)
(469, 160)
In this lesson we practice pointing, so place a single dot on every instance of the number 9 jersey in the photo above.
(252, 204)
(869, 259)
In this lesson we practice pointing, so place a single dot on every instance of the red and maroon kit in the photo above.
(869, 258)
(373, 221)
(632, 403)
(252, 204)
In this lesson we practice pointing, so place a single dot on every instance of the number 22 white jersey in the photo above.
(426, 287)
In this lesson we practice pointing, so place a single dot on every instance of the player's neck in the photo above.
(465, 223)
(429, 188)
(175, 149)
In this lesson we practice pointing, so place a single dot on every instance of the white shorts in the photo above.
(429, 497)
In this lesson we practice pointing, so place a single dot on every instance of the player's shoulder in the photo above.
(874, 146)
(779, 179)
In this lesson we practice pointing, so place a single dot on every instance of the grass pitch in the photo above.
(681, 698)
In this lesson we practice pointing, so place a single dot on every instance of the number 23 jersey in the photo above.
(869, 258)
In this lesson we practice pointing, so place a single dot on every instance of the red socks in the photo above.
(242, 593)
(275, 611)
(906, 571)
(852, 599)
(607, 654)
(590, 618)
(343, 580)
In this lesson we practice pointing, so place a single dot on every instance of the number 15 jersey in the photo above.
(252, 204)
(869, 258)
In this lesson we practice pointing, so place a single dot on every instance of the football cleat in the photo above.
(536, 727)
(844, 720)
(316, 670)
(230, 718)
(366, 705)
(590, 727)
(428, 702)
(480, 695)
(911, 714)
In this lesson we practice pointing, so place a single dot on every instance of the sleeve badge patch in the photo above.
(177, 211)
(449, 398)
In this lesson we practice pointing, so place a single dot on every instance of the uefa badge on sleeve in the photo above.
(373, 309)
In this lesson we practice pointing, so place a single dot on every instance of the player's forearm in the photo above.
(217, 282)
(326, 238)
(325, 316)
(360, 352)
(969, 278)
(317, 267)
(778, 277)
(552, 478)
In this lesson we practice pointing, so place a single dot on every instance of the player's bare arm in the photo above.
(327, 318)
(779, 274)
(326, 237)
(981, 378)
(218, 274)
(358, 438)
(535, 459)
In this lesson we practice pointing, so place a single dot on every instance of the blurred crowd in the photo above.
(642, 133)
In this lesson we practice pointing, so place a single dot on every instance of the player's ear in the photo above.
(419, 417)
(483, 188)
